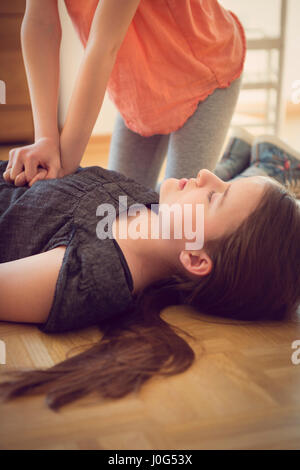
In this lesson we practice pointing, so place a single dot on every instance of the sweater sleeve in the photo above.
(92, 286)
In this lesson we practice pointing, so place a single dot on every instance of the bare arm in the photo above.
(110, 24)
(27, 286)
(40, 39)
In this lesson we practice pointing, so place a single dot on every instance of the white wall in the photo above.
(256, 13)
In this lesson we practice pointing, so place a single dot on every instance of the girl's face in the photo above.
(225, 204)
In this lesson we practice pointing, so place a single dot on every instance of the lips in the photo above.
(182, 183)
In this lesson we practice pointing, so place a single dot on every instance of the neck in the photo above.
(147, 258)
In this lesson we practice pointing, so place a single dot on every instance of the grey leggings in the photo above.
(196, 145)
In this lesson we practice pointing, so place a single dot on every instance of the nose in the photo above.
(206, 177)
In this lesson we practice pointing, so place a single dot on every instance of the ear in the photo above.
(196, 262)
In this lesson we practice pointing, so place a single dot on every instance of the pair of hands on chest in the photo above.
(32, 163)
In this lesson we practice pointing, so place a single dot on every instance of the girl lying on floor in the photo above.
(57, 273)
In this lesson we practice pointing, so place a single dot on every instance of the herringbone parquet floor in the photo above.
(243, 392)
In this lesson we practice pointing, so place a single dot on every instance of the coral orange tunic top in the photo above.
(175, 53)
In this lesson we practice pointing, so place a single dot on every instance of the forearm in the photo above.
(85, 104)
(40, 48)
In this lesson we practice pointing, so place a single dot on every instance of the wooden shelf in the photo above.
(272, 81)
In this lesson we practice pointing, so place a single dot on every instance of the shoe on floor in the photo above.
(236, 156)
(278, 160)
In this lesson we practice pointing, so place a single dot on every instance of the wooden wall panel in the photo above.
(16, 122)
(9, 7)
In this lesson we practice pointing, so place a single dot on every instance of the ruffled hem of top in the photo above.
(132, 126)
(191, 110)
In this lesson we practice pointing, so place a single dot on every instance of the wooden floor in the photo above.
(243, 392)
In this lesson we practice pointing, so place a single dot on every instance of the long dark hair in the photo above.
(255, 276)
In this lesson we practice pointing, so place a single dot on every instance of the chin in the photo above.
(167, 186)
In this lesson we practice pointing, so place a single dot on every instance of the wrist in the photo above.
(69, 146)
(49, 138)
